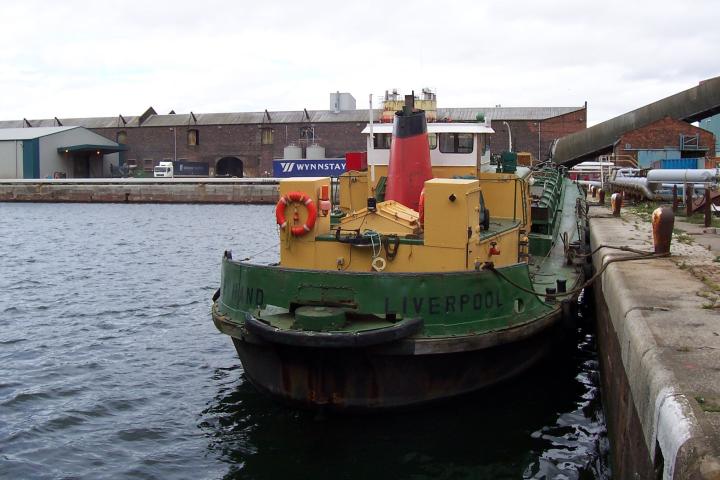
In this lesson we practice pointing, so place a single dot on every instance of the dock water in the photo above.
(658, 329)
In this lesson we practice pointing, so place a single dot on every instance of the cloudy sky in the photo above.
(101, 58)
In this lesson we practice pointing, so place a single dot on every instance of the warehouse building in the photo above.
(245, 143)
(712, 124)
(56, 152)
(666, 143)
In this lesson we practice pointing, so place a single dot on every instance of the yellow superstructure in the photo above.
(354, 190)
(390, 236)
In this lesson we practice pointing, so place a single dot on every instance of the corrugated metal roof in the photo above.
(30, 133)
(91, 122)
(101, 122)
(281, 117)
(505, 113)
(313, 116)
(437, 128)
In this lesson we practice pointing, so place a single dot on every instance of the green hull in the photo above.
(458, 303)
(394, 339)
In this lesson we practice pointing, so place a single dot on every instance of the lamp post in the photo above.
(172, 129)
(509, 136)
(538, 157)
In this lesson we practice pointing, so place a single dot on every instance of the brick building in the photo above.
(665, 140)
(245, 143)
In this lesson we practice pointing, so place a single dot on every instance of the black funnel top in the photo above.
(409, 122)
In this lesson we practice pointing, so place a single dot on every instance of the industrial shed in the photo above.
(238, 144)
(56, 152)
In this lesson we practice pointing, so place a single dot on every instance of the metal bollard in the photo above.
(601, 197)
(550, 295)
(616, 201)
(708, 208)
(663, 221)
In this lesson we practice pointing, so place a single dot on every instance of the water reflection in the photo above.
(545, 424)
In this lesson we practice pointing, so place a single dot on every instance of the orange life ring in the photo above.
(421, 208)
(299, 197)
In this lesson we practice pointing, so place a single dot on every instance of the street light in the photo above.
(509, 137)
(538, 125)
(172, 129)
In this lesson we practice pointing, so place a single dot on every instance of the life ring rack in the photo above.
(299, 197)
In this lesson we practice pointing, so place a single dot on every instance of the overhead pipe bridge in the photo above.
(689, 105)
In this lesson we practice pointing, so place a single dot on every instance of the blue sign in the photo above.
(327, 167)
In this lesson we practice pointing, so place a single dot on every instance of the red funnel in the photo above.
(409, 156)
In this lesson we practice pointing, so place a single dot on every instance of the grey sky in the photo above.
(83, 58)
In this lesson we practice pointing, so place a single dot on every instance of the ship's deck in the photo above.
(545, 271)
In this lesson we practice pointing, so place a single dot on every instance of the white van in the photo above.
(164, 169)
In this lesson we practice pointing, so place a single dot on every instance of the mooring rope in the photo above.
(644, 256)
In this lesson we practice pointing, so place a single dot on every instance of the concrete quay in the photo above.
(658, 323)
(141, 190)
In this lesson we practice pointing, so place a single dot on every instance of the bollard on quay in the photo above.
(663, 221)
(616, 200)
(708, 208)
(601, 197)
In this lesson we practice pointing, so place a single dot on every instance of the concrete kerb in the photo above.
(636, 292)
(141, 192)
(651, 383)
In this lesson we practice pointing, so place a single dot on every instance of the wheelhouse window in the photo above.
(382, 141)
(456, 142)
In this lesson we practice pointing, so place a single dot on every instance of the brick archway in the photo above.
(229, 167)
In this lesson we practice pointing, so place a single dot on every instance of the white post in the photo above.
(372, 140)
(538, 157)
(509, 136)
(174, 144)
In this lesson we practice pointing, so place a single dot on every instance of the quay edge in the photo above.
(145, 191)
(660, 369)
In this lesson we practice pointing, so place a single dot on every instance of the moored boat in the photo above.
(435, 273)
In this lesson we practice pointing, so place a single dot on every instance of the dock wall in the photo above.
(201, 192)
(658, 344)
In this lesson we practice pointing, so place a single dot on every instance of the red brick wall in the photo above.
(244, 140)
(528, 135)
(662, 134)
